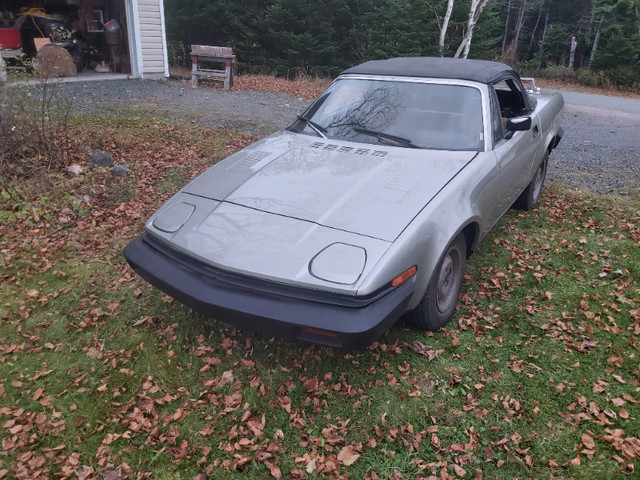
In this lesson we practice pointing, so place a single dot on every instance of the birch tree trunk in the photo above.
(445, 25)
(545, 30)
(474, 14)
(519, 25)
(535, 28)
(591, 22)
(596, 40)
(506, 27)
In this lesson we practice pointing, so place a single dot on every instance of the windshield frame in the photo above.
(480, 87)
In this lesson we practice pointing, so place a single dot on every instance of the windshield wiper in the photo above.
(319, 129)
(386, 137)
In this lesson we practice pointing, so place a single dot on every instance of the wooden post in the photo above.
(228, 72)
(194, 70)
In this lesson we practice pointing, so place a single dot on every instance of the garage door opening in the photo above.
(94, 33)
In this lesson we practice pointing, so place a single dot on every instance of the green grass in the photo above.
(100, 372)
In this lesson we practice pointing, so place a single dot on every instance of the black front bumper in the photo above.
(317, 317)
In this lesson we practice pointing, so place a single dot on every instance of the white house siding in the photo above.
(152, 39)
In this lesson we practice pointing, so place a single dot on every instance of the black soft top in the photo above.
(482, 71)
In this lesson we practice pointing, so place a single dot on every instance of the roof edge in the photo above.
(483, 71)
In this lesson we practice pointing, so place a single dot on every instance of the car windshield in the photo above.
(400, 113)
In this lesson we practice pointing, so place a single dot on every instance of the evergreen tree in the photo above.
(288, 37)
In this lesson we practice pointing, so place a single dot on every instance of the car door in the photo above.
(516, 153)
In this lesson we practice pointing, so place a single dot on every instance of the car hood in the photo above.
(370, 190)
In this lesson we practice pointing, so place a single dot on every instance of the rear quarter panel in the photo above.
(549, 111)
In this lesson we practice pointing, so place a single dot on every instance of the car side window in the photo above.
(510, 97)
(498, 124)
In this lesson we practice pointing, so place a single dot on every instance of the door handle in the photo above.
(536, 131)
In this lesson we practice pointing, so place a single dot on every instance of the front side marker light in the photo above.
(403, 277)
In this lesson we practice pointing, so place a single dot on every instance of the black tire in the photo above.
(440, 300)
(530, 196)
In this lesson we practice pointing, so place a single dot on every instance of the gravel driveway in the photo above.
(245, 110)
(600, 150)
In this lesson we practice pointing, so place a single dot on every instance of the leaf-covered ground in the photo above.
(102, 376)
(310, 87)
(304, 87)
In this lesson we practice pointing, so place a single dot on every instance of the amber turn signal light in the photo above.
(403, 277)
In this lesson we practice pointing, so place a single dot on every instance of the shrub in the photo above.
(34, 123)
(559, 72)
(587, 78)
(623, 77)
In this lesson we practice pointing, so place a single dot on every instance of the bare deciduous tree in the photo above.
(596, 41)
(474, 14)
(445, 25)
(545, 30)
(506, 27)
(519, 24)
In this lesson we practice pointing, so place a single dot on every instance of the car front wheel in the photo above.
(440, 299)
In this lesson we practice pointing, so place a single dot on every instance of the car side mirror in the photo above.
(517, 124)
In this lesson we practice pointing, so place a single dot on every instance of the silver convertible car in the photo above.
(364, 210)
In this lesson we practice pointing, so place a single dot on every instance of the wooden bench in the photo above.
(211, 54)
